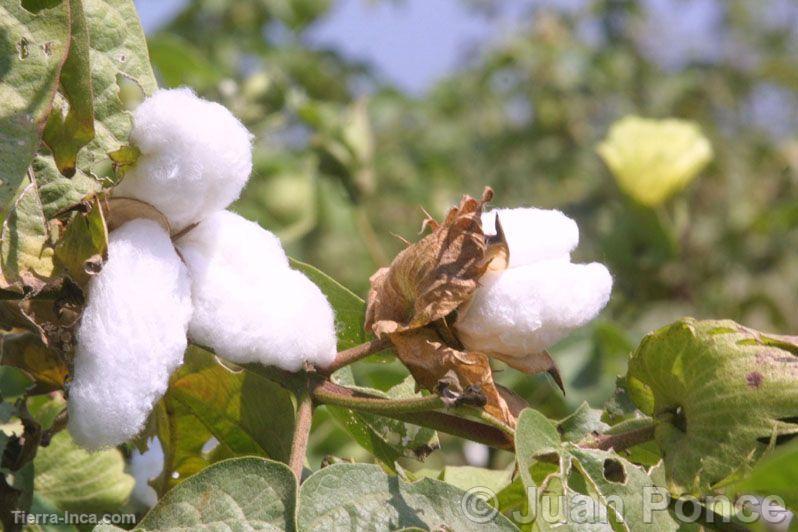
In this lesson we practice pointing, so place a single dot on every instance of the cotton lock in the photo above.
(541, 297)
(131, 337)
(249, 305)
(195, 157)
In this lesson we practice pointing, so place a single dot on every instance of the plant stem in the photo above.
(299, 443)
(348, 356)
(623, 440)
(421, 411)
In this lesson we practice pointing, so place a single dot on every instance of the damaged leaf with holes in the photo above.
(722, 395)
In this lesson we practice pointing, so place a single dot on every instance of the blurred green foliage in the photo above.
(345, 161)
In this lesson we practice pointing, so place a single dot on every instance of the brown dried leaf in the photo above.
(121, 210)
(457, 376)
(431, 278)
(533, 364)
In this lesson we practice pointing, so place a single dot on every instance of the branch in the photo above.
(299, 443)
(418, 411)
(348, 356)
(622, 440)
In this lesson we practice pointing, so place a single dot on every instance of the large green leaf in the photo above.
(70, 125)
(32, 49)
(26, 254)
(236, 494)
(79, 481)
(591, 490)
(721, 393)
(247, 413)
(363, 497)
(777, 474)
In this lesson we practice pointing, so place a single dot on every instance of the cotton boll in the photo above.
(195, 156)
(131, 337)
(144, 467)
(249, 306)
(524, 310)
(534, 234)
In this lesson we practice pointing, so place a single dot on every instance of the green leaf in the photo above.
(350, 310)
(32, 50)
(721, 394)
(81, 250)
(603, 477)
(26, 256)
(776, 474)
(179, 63)
(386, 439)
(654, 159)
(581, 423)
(235, 494)
(247, 413)
(363, 497)
(467, 477)
(79, 481)
(70, 125)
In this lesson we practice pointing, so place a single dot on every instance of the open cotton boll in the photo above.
(131, 337)
(534, 234)
(524, 310)
(249, 306)
(195, 156)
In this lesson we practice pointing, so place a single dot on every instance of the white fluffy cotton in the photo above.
(534, 234)
(249, 306)
(522, 311)
(195, 156)
(541, 297)
(131, 337)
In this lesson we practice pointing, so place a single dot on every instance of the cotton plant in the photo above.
(497, 284)
(217, 280)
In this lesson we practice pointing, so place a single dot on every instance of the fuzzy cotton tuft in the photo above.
(131, 337)
(145, 467)
(541, 297)
(195, 156)
(249, 306)
(534, 234)
(522, 311)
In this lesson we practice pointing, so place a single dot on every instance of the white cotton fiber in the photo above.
(131, 337)
(144, 467)
(195, 156)
(249, 306)
(534, 234)
(524, 310)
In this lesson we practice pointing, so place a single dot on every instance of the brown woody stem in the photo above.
(420, 411)
(348, 356)
(622, 440)
(299, 443)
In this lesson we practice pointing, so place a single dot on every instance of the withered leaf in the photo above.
(27, 352)
(119, 210)
(431, 278)
(459, 376)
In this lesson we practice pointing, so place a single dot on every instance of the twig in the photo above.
(348, 356)
(299, 443)
(622, 440)
(416, 411)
